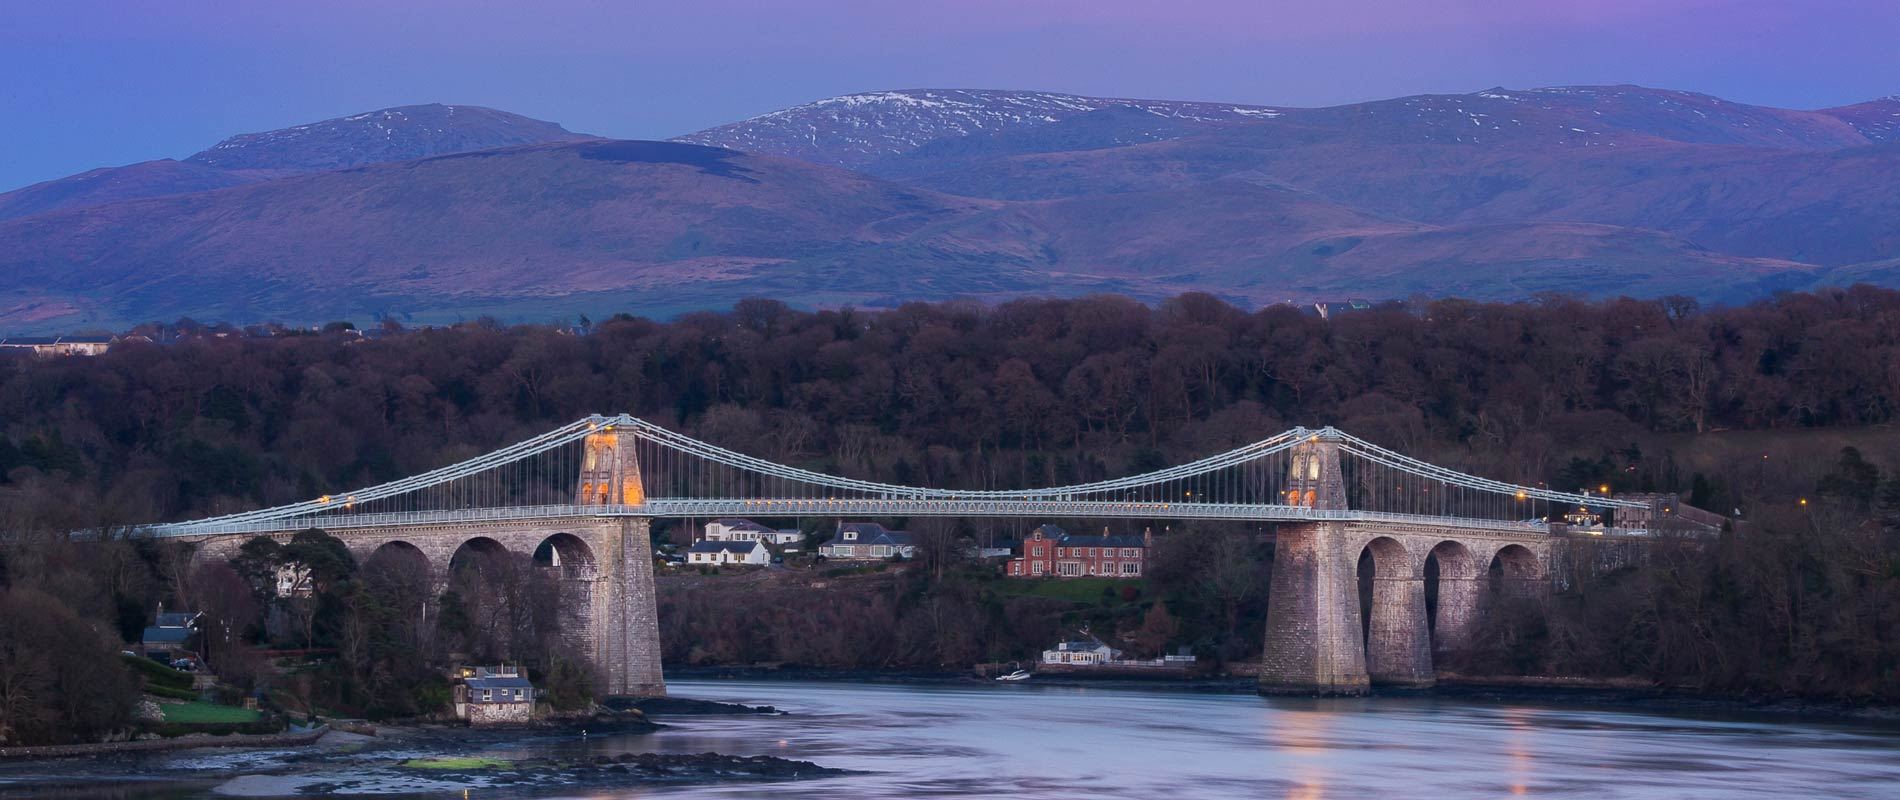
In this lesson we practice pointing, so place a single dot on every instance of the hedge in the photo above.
(158, 674)
(175, 694)
(266, 724)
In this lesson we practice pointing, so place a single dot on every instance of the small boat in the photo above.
(1018, 675)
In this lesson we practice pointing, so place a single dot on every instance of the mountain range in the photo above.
(437, 212)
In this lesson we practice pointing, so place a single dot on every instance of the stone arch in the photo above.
(1392, 595)
(1515, 571)
(1451, 595)
(569, 553)
(470, 550)
(571, 560)
(395, 551)
(1389, 557)
(401, 574)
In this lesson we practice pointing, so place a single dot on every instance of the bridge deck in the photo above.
(1055, 509)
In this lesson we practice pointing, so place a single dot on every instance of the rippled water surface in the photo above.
(1031, 741)
(1028, 741)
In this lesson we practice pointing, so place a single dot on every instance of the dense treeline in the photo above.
(1802, 600)
(1206, 589)
(1728, 404)
(948, 394)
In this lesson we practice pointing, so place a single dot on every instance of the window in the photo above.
(843, 550)
(1038, 551)
(1131, 552)
(1069, 568)
(518, 695)
(1131, 568)
(1036, 568)
(881, 550)
(850, 536)
(487, 695)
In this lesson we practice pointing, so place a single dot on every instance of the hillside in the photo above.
(445, 212)
(375, 137)
(391, 134)
(113, 184)
(452, 232)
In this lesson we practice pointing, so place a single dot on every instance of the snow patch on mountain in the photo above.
(391, 134)
(855, 129)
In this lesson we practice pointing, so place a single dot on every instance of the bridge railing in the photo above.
(788, 508)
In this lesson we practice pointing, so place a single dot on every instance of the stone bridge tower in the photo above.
(610, 470)
(1313, 477)
(624, 610)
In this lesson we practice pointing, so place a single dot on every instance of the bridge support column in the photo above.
(1398, 644)
(1457, 617)
(1313, 644)
(625, 614)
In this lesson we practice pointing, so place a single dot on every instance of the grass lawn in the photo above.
(461, 762)
(202, 713)
(1077, 590)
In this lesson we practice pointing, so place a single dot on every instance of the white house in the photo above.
(1084, 649)
(293, 580)
(492, 695)
(716, 553)
(867, 541)
(745, 530)
(59, 345)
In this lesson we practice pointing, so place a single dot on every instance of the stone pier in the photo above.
(1317, 643)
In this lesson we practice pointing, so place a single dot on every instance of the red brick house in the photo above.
(1051, 551)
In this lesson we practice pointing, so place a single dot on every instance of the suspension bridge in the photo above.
(581, 498)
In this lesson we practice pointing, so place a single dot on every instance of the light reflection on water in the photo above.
(1029, 741)
(1038, 741)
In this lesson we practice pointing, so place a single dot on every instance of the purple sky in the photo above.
(89, 83)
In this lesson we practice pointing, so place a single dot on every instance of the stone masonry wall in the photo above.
(610, 591)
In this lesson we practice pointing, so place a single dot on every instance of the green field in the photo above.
(1077, 590)
(206, 713)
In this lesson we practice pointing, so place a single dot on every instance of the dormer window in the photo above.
(850, 536)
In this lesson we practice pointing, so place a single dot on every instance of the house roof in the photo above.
(499, 683)
(85, 340)
(1102, 541)
(28, 341)
(175, 619)
(1064, 538)
(157, 635)
(741, 524)
(728, 547)
(873, 533)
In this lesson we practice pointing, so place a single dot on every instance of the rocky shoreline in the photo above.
(528, 776)
(425, 757)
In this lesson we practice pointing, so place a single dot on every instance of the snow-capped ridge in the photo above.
(855, 129)
(390, 134)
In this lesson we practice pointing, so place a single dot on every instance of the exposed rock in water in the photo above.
(710, 765)
(601, 771)
(681, 706)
